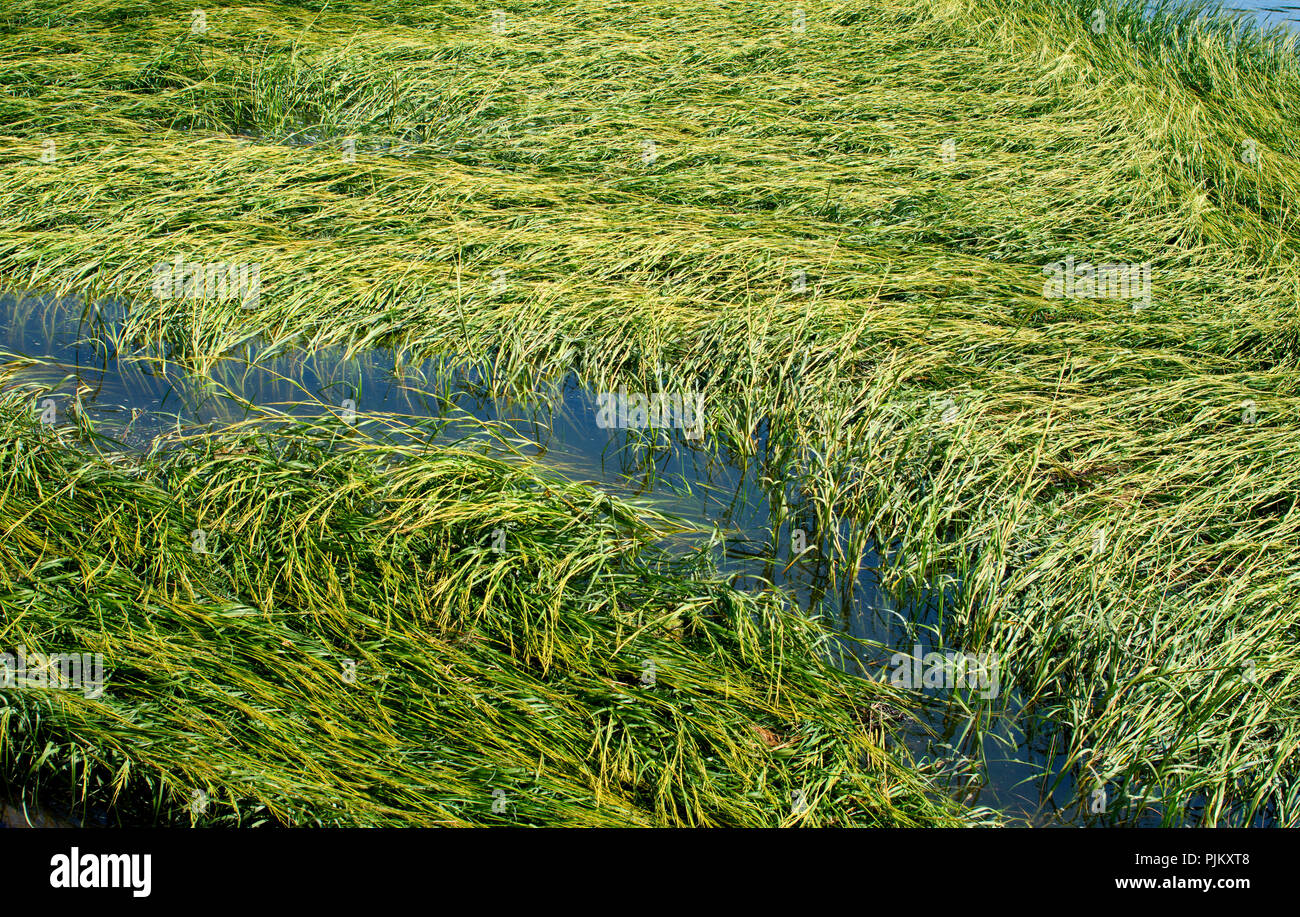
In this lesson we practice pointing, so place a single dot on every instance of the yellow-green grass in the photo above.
(776, 151)
(580, 672)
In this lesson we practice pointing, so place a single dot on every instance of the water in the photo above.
(20, 816)
(129, 400)
(139, 400)
(1268, 14)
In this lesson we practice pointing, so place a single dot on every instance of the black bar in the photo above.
(649, 869)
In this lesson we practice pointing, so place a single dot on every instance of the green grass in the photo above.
(778, 152)
(521, 670)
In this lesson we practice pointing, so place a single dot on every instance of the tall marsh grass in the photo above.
(627, 190)
(348, 644)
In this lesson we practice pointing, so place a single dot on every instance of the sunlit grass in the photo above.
(590, 678)
(627, 190)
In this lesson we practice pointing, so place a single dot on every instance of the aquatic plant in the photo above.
(835, 226)
(299, 633)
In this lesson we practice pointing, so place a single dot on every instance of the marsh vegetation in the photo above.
(832, 222)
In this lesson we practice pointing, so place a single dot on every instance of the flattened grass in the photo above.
(576, 677)
(670, 265)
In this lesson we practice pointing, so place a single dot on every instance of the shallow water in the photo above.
(1268, 14)
(62, 353)
(20, 816)
(137, 400)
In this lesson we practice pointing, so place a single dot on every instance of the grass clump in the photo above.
(627, 191)
(349, 649)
